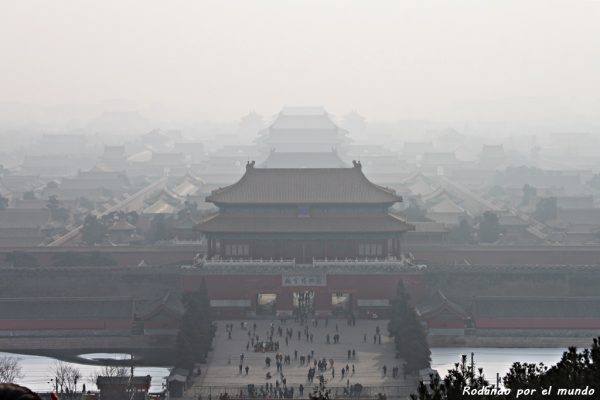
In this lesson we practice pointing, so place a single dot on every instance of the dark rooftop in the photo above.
(294, 224)
(303, 186)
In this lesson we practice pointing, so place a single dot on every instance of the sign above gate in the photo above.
(304, 280)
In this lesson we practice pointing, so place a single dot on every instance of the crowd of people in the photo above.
(275, 384)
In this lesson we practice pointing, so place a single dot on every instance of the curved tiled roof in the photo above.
(446, 206)
(313, 224)
(303, 122)
(439, 304)
(122, 225)
(304, 186)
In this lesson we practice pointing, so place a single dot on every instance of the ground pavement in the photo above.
(222, 368)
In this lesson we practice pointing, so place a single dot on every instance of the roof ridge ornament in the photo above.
(356, 164)
(250, 164)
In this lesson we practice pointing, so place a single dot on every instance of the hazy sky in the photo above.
(453, 59)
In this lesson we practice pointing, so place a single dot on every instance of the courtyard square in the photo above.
(371, 357)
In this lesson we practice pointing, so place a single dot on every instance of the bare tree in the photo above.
(10, 369)
(66, 377)
(110, 371)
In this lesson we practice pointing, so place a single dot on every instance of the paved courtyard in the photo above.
(222, 369)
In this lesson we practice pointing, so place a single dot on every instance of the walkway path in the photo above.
(222, 369)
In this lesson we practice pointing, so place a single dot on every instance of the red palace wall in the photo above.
(446, 324)
(364, 287)
(535, 323)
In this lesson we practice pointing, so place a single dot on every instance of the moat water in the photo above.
(37, 370)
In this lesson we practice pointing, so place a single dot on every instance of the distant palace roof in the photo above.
(303, 122)
(312, 127)
(321, 159)
(303, 186)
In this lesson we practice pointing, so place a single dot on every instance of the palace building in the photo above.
(304, 130)
(304, 215)
(311, 240)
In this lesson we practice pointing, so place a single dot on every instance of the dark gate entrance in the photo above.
(304, 303)
(341, 304)
(266, 303)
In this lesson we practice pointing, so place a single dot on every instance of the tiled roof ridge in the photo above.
(357, 168)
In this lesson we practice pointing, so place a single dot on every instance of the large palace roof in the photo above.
(371, 223)
(304, 186)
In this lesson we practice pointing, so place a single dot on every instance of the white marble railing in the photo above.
(354, 263)
(373, 262)
(233, 262)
